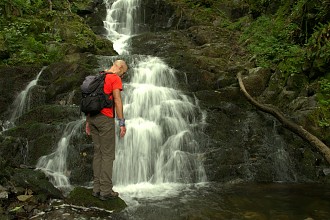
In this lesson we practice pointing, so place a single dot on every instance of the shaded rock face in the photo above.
(94, 14)
(12, 81)
(159, 16)
(37, 181)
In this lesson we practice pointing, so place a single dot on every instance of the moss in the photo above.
(83, 197)
(40, 146)
(27, 143)
(37, 181)
(50, 114)
(41, 36)
(104, 47)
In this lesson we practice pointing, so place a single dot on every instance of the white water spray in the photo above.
(22, 103)
(54, 165)
(120, 22)
(160, 144)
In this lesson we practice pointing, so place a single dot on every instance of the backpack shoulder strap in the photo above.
(104, 74)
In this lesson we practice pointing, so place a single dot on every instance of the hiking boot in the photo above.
(96, 194)
(111, 195)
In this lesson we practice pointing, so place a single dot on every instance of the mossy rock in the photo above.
(83, 197)
(37, 181)
(51, 114)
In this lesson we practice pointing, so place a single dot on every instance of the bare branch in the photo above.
(299, 130)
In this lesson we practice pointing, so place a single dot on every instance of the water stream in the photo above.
(160, 145)
(22, 103)
(54, 165)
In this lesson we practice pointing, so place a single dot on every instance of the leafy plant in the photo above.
(269, 39)
(318, 48)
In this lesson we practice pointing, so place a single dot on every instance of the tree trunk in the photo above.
(299, 130)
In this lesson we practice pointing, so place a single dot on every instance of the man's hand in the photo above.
(122, 131)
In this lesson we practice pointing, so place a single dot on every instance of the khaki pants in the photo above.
(103, 134)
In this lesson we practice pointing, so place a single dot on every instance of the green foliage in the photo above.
(202, 3)
(260, 7)
(291, 40)
(318, 48)
(295, 40)
(31, 33)
(269, 39)
(21, 7)
(323, 113)
(239, 24)
(202, 11)
(26, 44)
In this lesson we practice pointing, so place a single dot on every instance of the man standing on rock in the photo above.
(102, 129)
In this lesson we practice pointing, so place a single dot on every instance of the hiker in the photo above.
(102, 129)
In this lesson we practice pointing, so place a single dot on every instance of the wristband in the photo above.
(121, 122)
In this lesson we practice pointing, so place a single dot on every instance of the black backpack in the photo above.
(93, 97)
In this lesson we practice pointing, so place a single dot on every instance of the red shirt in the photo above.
(111, 82)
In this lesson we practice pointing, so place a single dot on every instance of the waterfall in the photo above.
(121, 22)
(160, 144)
(54, 165)
(162, 123)
(283, 168)
(270, 148)
(22, 103)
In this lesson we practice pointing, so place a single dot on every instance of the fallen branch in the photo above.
(299, 130)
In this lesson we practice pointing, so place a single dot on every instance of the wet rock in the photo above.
(225, 80)
(296, 82)
(27, 143)
(326, 171)
(286, 96)
(83, 197)
(12, 81)
(256, 81)
(163, 15)
(303, 103)
(51, 114)
(254, 215)
(3, 193)
(80, 163)
(12, 152)
(37, 182)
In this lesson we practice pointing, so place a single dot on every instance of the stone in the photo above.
(83, 197)
(326, 171)
(4, 195)
(37, 182)
(256, 81)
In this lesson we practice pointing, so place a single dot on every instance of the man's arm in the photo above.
(118, 103)
(119, 109)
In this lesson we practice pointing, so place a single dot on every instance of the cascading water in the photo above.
(121, 20)
(22, 102)
(284, 171)
(54, 165)
(160, 144)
